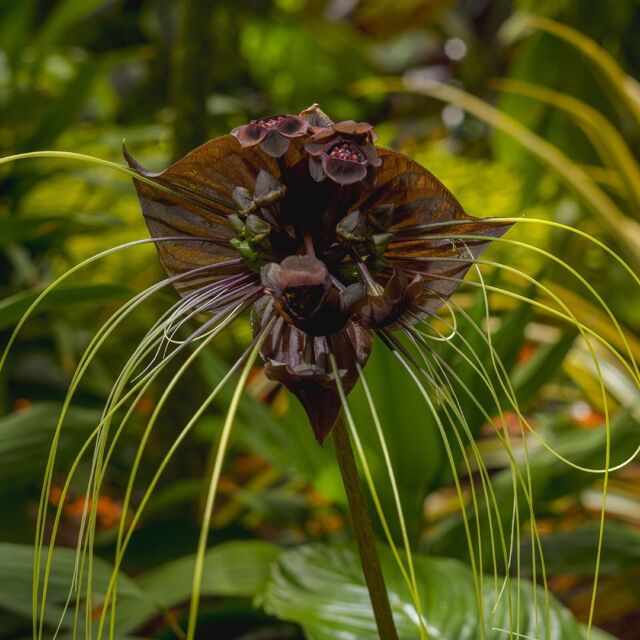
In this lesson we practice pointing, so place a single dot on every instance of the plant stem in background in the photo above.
(190, 72)
(361, 524)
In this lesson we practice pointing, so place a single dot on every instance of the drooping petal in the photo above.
(197, 207)
(268, 189)
(344, 171)
(301, 363)
(274, 143)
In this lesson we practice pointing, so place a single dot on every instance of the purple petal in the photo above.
(344, 171)
(369, 152)
(250, 134)
(315, 148)
(274, 144)
(293, 127)
(316, 170)
(301, 363)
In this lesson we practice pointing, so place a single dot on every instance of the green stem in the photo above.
(361, 524)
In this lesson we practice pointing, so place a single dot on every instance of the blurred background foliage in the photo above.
(165, 76)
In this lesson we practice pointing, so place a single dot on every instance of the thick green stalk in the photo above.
(361, 524)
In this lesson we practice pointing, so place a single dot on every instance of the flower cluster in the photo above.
(326, 237)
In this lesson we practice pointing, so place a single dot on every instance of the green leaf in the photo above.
(25, 229)
(13, 308)
(65, 110)
(573, 552)
(622, 84)
(530, 377)
(16, 567)
(551, 477)
(25, 441)
(322, 588)
(624, 229)
(415, 446)
(239, 569)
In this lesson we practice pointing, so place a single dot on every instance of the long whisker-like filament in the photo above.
(353, 433)
(472, 556)
(227, 318)
(213, 482)
(607, 468)
(452, 405)
(87, 357)
(107, 413)
(564, 265)
(226, 315)
(396, 497)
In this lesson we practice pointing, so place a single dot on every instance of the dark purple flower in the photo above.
(343, 151)
(324, 265)
(272, 133)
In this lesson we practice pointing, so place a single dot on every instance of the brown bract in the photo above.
(323, 263)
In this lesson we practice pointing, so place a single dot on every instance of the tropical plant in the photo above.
(460, 397)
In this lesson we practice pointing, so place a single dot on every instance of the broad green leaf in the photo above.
(322, 588)
(16, 570)
(607, 140)
(65, 110)
(239, 569)
(573, 552)
(62, 18)
(412, 437)
(531, 376)
(25, 441)
(286, 440)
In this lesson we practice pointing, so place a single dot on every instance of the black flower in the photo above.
(323, 264)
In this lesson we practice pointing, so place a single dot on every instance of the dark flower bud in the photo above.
(301, 362)
(380, 242)
(248, 253)
(356, 129)
(243, 200)
(268, 190)
(256, 230)
(236, 224)
(395, 300)
(316, 117)
(380, 217)
(352, 228)
(272, 133)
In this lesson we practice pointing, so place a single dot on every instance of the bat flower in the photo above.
(272, 133)
(323, 265)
